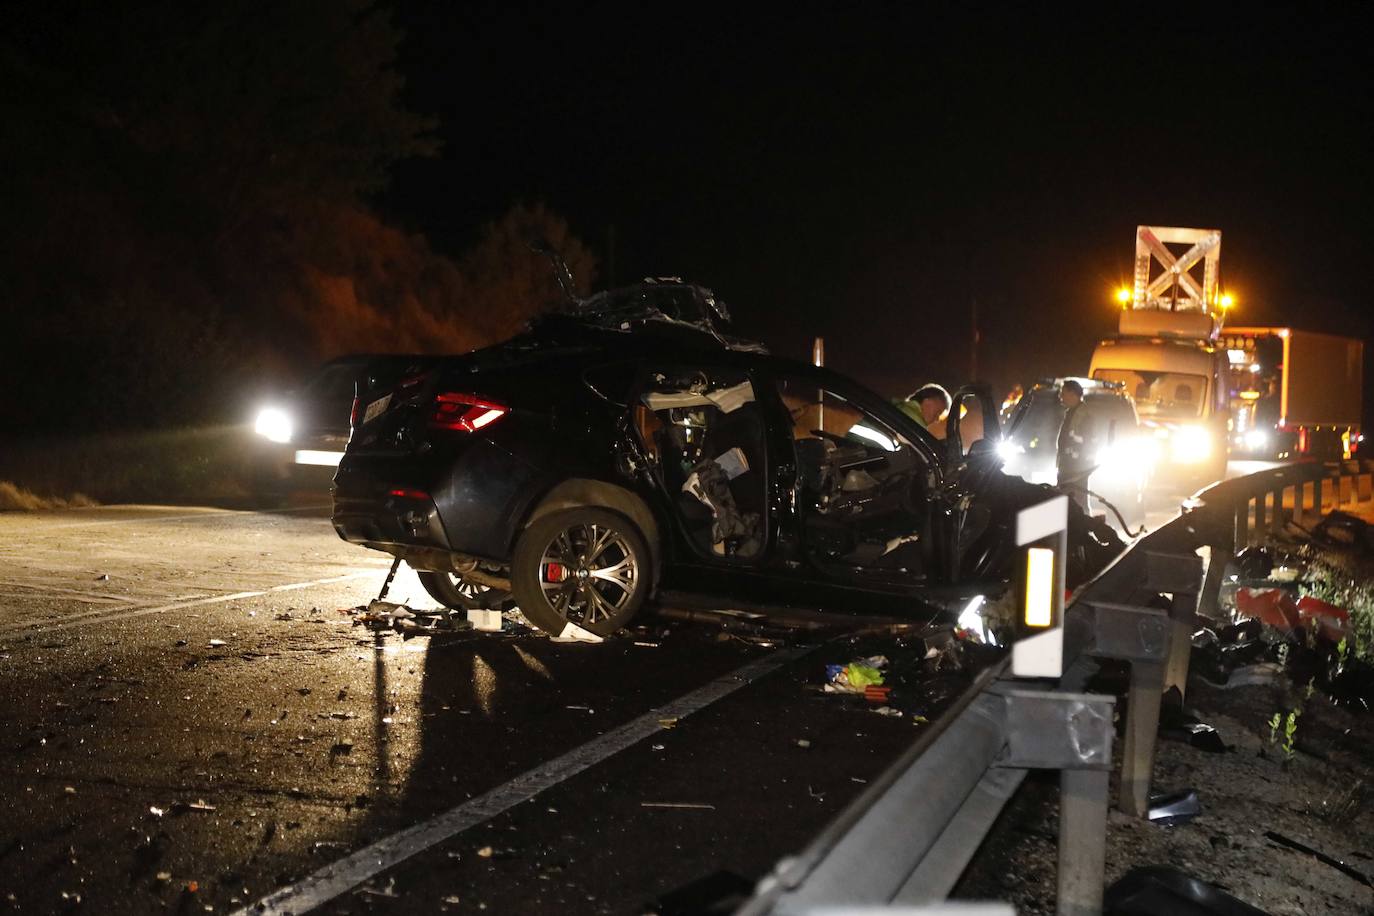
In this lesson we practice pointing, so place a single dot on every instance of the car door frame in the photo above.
(925, 446)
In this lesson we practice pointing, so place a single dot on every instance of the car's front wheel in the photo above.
(584, 566)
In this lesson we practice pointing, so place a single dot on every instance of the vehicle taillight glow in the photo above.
(355, 411)
(464, 412)
(408, 493)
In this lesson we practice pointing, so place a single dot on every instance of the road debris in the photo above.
(571, 632)
(486, 621)
(217, 643)
(389, 891)
(855, 676)
(1319, 856)
(1175, 808)
(1164, 889)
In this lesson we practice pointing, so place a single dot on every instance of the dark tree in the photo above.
(188, 209)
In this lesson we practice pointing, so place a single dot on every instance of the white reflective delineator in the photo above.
(1042, 655)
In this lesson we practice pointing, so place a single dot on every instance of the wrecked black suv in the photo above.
(628, 446)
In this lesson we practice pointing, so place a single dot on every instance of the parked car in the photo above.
(1124, 453)
(628, 446)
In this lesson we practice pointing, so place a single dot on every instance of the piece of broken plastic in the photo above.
(1175, 808)
(1273, 606)
(1206, 738)
(390, 609)
(1332, 622)
(571, 632)
(1160, 889)
(485, 621)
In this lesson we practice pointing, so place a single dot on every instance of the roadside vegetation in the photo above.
(16, 498)
(1345, 578)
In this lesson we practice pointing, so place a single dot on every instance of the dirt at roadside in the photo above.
(1322, 796)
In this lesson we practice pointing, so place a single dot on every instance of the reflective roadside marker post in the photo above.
(1042, 530)
(1042, 534)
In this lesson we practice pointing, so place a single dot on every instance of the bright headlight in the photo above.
(1191, 444)
(273, 423)
(1126, 460)
(1256, 439)
(1008, 450)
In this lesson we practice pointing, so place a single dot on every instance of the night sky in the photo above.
(866, 175)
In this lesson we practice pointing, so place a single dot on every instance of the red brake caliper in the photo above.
(554, 572)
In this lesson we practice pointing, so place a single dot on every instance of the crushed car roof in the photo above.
(658, 303)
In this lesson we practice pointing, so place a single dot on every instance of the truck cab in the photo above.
(1181, 397)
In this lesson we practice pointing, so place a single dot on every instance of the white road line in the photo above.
(210, 512)
(90, 618)
(347, 873)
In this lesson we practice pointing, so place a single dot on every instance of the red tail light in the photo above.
(353, 414)
(464, 412)
(408, 493)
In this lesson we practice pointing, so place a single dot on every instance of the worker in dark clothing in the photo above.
(1268, 407)
(1075, 457)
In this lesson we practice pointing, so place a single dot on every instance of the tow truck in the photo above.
(1166, 353)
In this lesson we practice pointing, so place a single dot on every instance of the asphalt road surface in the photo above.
(195, 723)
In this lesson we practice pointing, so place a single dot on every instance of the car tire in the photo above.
(557, 580)
(453, 592)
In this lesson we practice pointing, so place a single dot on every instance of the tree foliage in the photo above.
(188, 209)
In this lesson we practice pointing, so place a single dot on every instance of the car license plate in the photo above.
(376, 408)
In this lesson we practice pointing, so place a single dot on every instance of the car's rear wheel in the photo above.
(453, 591)
(584, 566)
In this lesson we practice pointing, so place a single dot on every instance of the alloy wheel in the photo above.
(588, 573)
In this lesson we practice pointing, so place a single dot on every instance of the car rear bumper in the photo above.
(388, 522)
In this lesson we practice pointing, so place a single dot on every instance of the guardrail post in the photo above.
(1082, 841)
(1347, 491)
(1240, 537)
(1302, 501)
(1276, 513)
(1219, 552)
(1141, 636)
(1070, 732)
(1260, 499)
(1365, 487)
(1180, 575)
(1142, 728)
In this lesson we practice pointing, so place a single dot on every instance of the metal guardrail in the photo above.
(905, 842)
